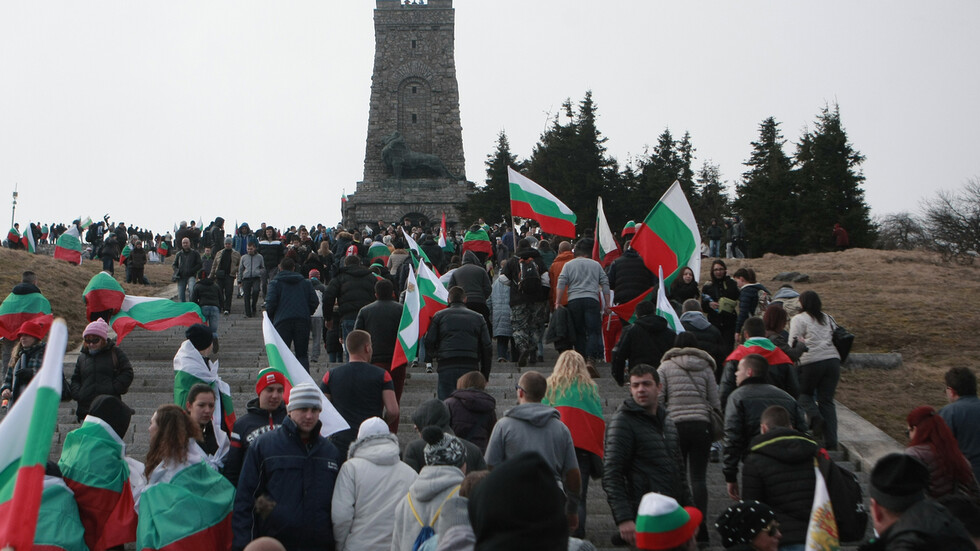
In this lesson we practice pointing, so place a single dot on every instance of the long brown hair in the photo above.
(174, 431)
(931, 429)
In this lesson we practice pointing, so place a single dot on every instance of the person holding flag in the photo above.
(459, 338)
(586, 283)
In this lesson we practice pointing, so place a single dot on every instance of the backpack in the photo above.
(846, 499)
(427, 531)
(765, 299)
(529, 280)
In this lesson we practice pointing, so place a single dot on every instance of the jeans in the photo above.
(108, 264)
(346, 326)
(185, 288)
(448, 377)
(695, 443)
(316, 330)
(585, 469)
(502, 344)
(818, 383)
(588, 326)
(212, 315)
(714, 248)
(296, 331)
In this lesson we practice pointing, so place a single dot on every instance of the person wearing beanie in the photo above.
(286, 486)
(661, 523)
(26, 358)
(101, 368)
(749, 526)
(903, 518)
(96, 452)
(363, 510)
(264, 413)
(435, 412)
(438, 481)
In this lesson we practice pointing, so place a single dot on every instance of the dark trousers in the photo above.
(449, 375)
(482, 309)
(588, 327)
(695, 443)
(585, 460)
(296, 331)
(226, 285)
(250, 286)
(818, 384)
(108, 264)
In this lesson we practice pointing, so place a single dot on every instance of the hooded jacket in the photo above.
(779, 472)
(500, 307)
(352, 288)
(248, 428)
(689, 387)
(709, 336)
(290, 297)
(644, 342)
(434, 412)
(533, 427)
(435, 484)
(363, 510)
(473, 414)
(106, 371)
(473, 278)
(926, 525)
(748, 299)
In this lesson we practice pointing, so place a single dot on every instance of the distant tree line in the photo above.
(789, 204)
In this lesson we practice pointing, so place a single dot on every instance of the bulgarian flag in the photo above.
(529, 200)
(444, 243)
(821, 532)
(669, 237)
(478, 242)
(26, 433)
(415, 252)
(93, 462)
(162, 248)
(605, 249)
(16, 309)
(13, 236)
(44, 231)
(762, 346)
(378, 252)
(28, 240)
(125, 253)
(190, 369)
(407, 345)
(627, 310)
(69, 246)
(434, 296)
(343, 198)
(58, 524)
(103, 293)
(86, 223)
(665, 310)
(153, 314)
(281, 359)
(186, 507)
(581, 412)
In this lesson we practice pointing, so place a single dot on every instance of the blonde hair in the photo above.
(569, 369)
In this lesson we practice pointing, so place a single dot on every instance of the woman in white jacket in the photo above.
(819, 366)
(363, 511)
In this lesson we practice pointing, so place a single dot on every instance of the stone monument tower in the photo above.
(413, 164)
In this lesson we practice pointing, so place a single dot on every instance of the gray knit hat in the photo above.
(442, 448)
(304, 395)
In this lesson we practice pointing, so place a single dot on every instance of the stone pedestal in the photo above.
(422, 200)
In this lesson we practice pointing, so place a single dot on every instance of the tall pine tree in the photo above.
(765, 198)
(658, 170)
(710, 200)
(492, 199)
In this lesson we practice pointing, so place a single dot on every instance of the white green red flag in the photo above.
(186, 507)
(282, 359)
(343, 197)
(86, 223)
(821, 533)
(28, 240)
(17, 308)
(103, 293)
(434, 296)
(581, 412)
(68, 247)
(668, 237)
(530, 200)
(44, 231)
(153, 314)
(407, 345)
(13, 236)
(378, 253)
(162, 248)
(478, 242)
(444, 243)
(190, 368)
(125, 253)
(93, 462)
(605, 248)
(665, 310)
(415, 252)
(26, 433)
(58, 524)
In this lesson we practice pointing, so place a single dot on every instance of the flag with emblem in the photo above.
(407, 345)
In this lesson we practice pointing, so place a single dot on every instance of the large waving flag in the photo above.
(26, 433)
(665, 310)
(281, 359)
(821, 533)
(68, 247)
(530, 200)
(190, 369)
(415, 252)
(16, 309)
(669, 237)
(153, 314)
(186, 507)
(103, 293)
(407, 345)
(93, 462)
(434, 296)
(605, 249)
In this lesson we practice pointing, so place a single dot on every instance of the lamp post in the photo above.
(13, 208)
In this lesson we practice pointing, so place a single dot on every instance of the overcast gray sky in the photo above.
(257, 111)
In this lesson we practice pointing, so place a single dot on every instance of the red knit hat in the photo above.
(270, 376)
(36, 327)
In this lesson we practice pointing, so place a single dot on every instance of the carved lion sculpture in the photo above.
(398, 157)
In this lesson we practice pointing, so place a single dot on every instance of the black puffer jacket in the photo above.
(352, 288)
(473, 278)
(290, 297)
(458, 332)
(925, 525)
(107, 371)
(644, 342)
(779, 472)
(206, 293)
(381, 319)
(642, 455)
(629, 277)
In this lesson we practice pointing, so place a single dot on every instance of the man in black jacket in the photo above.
(381, 319)
(642, 453)
(352, 289)
(187, 264)
(629, 276)
(643, 342)
(473, 278)
(265, 413)
(458, 337)
(290, 304)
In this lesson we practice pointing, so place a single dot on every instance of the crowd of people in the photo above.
(750, 383)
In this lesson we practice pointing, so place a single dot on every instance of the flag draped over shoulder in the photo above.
(26, 433)
(281, 359)
(125, 253)
(665, 310)
(28, 240)
(378, 252)
(13, 236)
(821, 533)
(605, 249)
(16, 309)
(478, 242)
(103, 293)
(153, 314)
(186, 507)
(190, 369)
(58, 524)
(761, 346)
(669, 237)
(407, 345)
(530, 200)
(68, 247)
(93, 462)
(581, 412)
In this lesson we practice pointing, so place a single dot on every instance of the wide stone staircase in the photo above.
(242, 355)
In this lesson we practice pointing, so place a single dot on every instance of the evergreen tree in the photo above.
(829, 185)
(710, 200)
(658, 170)
(685, 155)
(765, 198)
(493, 198)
